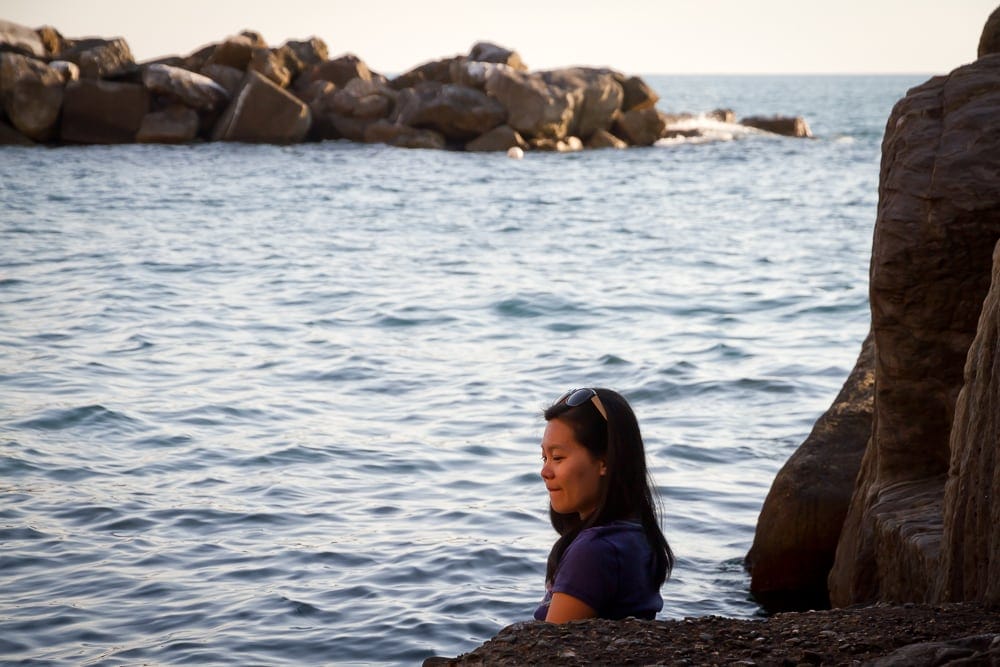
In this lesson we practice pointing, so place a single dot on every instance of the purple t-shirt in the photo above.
(610, 568)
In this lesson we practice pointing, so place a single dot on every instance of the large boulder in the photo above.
(176, 124)
(236, 51)
(604, 139)
(970, 564)
(263, 113)
(362, 98)
(638, 94)
(102, 112)
(230, 78)
(394, 134)
(597, 97)
(100, 58)
(197, 60)
(787, 126)
(534, 108)
(938, 221)
(439, 71)
(501, 138)
(309, 52)
(193, 90)
(347, 112)
(52, 39)
(67, 70)
(16, 38)
(640, 127)
(487, 52)
(338, 71)
(800, 522)
(271, 65)
(32, 95)
(458, 112)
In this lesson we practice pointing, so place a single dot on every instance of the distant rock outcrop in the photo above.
(461, 103)
(789, 126)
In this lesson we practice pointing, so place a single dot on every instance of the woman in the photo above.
(611, 557)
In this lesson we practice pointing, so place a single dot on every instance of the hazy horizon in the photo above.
(724, 37)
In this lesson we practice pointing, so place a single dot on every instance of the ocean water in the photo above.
(282, 405)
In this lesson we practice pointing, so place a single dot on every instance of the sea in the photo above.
(281, 405)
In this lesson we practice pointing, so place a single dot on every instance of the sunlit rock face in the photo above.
(938, 222)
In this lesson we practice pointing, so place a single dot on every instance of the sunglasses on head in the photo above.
(575, 397)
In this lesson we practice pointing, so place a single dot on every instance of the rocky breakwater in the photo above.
(920, 521)
(91, 91)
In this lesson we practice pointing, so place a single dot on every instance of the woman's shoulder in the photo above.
(610, 533)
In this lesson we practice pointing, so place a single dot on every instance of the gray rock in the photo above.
(102, 112)
(100, 58)
(193, 90)
(32, 95)
(263, 113)
(175, 125)
(534, 108)
(20, 39)
(501, 138)
(457, 112)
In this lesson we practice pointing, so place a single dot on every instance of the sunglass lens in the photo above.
(579, 397)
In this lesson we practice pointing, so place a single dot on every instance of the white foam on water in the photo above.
(702, 128)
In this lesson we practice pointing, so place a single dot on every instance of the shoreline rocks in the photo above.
(883, 635)
(923, 522)
(54, 91)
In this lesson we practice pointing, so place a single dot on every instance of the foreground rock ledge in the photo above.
(878, 635)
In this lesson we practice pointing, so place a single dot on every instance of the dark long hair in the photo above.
(627, 490)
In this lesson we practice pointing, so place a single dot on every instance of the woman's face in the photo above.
(570, 472)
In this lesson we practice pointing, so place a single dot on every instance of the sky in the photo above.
(634, 36)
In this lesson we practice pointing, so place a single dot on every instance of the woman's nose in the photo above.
(546, 471)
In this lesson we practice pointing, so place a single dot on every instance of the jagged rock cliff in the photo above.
(938, 222)
(924, 519)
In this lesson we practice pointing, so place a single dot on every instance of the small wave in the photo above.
(296, 454)
(129, 524)
(613, 360)
(20, 533)
(300, 608)
(86, 415)
(136, 343)
(11, 466)
(535, 306)
(397, 321)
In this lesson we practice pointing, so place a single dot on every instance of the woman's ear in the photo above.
(604, 467)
